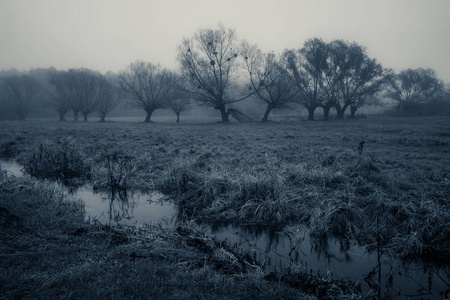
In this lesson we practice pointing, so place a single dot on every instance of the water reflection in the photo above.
(293, 249)
(134, 209)
(278, 249)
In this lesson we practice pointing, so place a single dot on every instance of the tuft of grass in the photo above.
(204, 192)
(61, 159)
(339, 219)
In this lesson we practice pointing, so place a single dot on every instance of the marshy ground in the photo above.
(382, 183)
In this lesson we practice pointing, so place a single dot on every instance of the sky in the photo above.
(108, 35)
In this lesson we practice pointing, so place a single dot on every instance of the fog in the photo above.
(109, 35)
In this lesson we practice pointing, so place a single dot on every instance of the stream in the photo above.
(289, 248)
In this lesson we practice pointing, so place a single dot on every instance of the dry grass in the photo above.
(48, 251)
(278, 173)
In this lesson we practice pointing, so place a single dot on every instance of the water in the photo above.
(276, 248)
(11, 167)
(292, 248)
(138, 210)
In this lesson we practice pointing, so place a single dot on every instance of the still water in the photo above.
(289, 248)
(138, 209)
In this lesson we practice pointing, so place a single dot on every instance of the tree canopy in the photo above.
(414, 86)
(146, 86)
(208, 62)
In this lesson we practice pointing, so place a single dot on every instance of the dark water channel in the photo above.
(289, 248)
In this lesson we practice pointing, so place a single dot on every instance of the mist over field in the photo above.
(225, 150)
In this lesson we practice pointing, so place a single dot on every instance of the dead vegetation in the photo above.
(47, 250)
(391, 192)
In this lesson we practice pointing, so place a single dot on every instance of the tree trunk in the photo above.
(340, 111)
(85, 117)
(61, 115)
(311, 114)
(266, 114)
(326, 112)
(21, 116)
(102, 118)
(148, 116)
(178, 118)
(223, 113)
(352, 112)
(75, 115)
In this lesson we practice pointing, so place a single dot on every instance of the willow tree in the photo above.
(208, 62)
(76, 88)
(179, 97)
(22, 92)
(60, 93)
(412, 87)
(308, 67)
(268, 77)
(146, 86)
(108, 95)
(85, 84)
(360, 77)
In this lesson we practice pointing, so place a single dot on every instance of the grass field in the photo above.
(383, 183)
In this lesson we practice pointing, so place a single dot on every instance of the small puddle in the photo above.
(138, 210)
(277, 249)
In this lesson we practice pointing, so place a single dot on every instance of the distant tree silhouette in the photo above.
(268, 78)
(60, 94)
(20, 92)
(146, 86)
(86, 90)
(308, 67)
(77, 88)
(208, 61)
(413, 87)
(358, 78)
(179, 96)
(108, 94)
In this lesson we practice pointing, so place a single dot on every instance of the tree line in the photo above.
(217, 70)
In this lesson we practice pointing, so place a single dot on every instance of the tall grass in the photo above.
(61, 159)
(319, 174)
(47, 250)
(215, 191)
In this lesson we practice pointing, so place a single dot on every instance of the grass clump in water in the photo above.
(61, 159)
(208, 191)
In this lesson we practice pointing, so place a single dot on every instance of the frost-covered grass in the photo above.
(49, 251)
(394, 185)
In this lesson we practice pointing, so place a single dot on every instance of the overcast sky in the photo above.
(110, 34)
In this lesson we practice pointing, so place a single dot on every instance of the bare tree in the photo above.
(359, 77)
(60, 93)
(179, 97)
(207, 63)
(146, 86)
(108, 95)
(22, 92)
(268, 78)
(412, 87)
(76, 88)
(85, 90)
(308, 66)
(333, 75)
